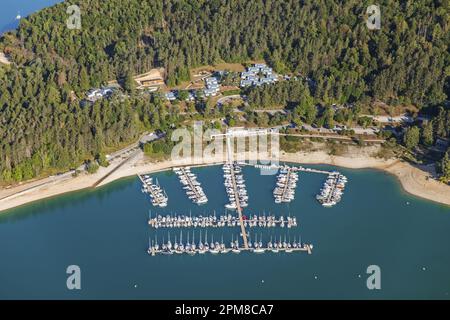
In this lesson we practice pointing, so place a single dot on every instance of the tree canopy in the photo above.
(43, 125)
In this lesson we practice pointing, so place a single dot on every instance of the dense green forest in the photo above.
(43, 125)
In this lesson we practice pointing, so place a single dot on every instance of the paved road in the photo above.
(126, 154)
(358, 130)
(132, 156)
(404, 118)
(226, 98)
(335, 137)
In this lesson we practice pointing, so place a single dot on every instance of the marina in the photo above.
(120, 212)
(332, 190)
(158, 196)
(287, 179)
(227, 220)
(293, 168)
(193, 188)
(216, 247)
(236, 191)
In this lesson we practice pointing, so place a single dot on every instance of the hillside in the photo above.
(42, 127)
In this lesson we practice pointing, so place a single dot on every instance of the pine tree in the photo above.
(427, 134)
(130, 84)
(411, 137)
(445, 167)
(84, 80)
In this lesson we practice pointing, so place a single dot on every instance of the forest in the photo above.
(43, 126)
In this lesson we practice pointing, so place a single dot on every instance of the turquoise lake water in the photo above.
(105, 232)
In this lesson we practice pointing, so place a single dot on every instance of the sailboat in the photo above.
(294, 245)
(269, 244)
(169, 245)
(181, 246)
(284, 243)
(188, 244)
(193, 247)
(175, 245)
(150, 247)
(223, 248)
(206, 241)
(236, 248)
(289, 247)
(156, 244)
(258, 246)
(249, 242)
(276, 245)
(201, 247)
(213, 248)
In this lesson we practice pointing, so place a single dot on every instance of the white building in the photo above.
(95, 94)
(171, 96)
(212, 87)
(258, 75)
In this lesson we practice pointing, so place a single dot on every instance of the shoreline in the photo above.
(413, 180)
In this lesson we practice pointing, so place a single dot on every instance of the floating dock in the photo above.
(332, 190)
(330, 194)
(237, 197)
(284, 192)
(235, 186)
(193, 248)
(193, 188)
(157, 195)
(292, 168)
(222, 221)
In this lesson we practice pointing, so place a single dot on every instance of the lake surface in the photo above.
(11, 8)
(105, 232)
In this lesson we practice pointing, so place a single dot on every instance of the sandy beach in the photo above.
(414, 180)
